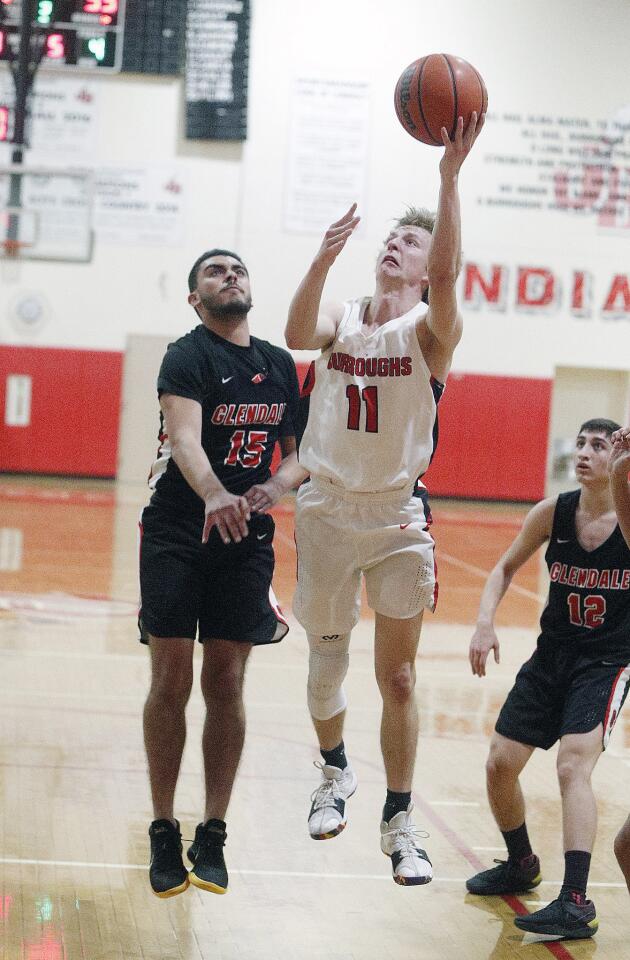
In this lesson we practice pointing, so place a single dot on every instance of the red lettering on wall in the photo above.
(477, 287)
(620, 287)
(581, 294)
(536, 287)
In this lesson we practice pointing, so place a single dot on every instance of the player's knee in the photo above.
(622, 846)
(398, 684)
(172, 689)
(225, 683)
(327, 668)
(499, 765)
(570, 768)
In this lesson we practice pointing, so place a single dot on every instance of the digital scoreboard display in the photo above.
(84, 34)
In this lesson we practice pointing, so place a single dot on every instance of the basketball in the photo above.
(434, 91)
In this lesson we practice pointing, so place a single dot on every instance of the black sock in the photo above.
(577, 864)
(517, 843)
(335, 757)
(394, 803)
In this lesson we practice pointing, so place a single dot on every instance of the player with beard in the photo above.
(206, 559)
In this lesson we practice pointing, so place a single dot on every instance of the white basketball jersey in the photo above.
(373, 405)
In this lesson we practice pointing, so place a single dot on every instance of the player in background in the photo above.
(571, 689)
(206, 559)
(619, 467)
(371, 432)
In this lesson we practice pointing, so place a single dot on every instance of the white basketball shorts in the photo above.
(342, 536)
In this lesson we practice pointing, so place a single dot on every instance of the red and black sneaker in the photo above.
(570, 917)
(510, 876)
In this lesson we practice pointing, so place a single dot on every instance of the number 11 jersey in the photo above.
(372, 418)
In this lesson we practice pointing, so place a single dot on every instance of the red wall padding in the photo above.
(493, 430)
(493, 437)
(75, 412)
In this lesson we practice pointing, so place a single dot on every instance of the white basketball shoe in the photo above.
(399, 841)
(327, 816)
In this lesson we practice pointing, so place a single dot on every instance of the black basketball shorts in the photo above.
(558, 692)
(213, 590)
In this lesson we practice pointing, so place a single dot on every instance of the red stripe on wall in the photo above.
(493, 438)
(74, 415)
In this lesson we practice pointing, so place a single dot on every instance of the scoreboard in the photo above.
(84, 34)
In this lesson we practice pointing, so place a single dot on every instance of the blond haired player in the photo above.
(371, 432)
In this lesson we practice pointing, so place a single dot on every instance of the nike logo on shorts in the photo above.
(403, 526)
(558, 540)
(261, 536)
(225, 379)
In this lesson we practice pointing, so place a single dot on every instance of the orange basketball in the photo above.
(434, 91)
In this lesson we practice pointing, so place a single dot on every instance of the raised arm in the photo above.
(311, 325)
(224, 510)
(444, 261)
(535, 531)
(618, 470)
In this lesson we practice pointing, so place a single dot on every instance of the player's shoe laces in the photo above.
(510, 876)
(206, 853)
(399, 841)
(567, 918)
(327, 816)
(167, 873)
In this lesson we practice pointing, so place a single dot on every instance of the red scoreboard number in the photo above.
(84, 34)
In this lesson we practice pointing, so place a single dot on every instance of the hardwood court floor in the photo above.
(75, 803)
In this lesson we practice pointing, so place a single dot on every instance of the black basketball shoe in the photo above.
(167, 873)
(565, 918)
(206, 853)
(508, 877)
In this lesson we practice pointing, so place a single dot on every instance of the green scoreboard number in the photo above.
(77, 34)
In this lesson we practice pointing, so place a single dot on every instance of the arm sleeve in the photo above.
(180, 374)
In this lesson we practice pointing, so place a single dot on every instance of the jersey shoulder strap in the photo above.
(563, 527)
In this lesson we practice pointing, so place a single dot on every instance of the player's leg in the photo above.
(506, 760)
(237, 612)
(328, 665)
(521, 871)
(595, 695)
(571, 915)
(622, 850)
(168, 621)
(395, 648)
(164, 736)
(530, 717)
(222, 679)
(327, 604)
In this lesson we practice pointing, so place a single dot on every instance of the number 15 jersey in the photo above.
(372, 417)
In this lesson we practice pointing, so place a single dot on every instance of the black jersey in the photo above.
(249, 398)
(589, 592)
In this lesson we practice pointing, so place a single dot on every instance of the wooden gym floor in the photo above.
(75, 801)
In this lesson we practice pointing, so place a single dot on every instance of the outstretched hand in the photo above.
(336, 237)
(619, 461)
(457, 149)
